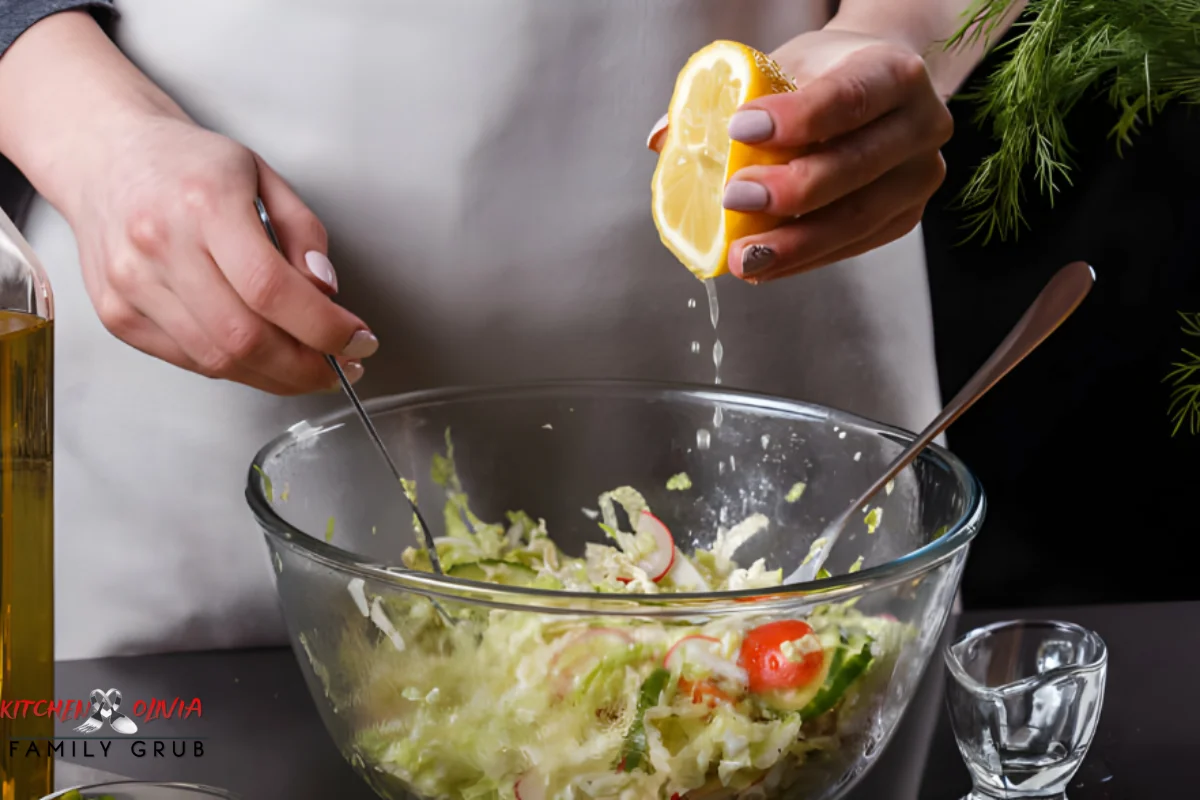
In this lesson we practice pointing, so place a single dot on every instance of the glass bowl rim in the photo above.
(194, 788)
(908, 566)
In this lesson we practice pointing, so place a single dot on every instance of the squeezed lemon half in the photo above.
(698, 157)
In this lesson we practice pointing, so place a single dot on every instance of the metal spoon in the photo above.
(1056, 302)
(362, 412)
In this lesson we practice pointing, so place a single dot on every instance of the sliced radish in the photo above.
(581, 653)
(659, 561)
(685, 646)
(530, 786)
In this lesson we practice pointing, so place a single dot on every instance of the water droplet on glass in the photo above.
(721, 468)
(842, 435)
(718, 354)
(718, 417)
(766, 440)
(691, 302)
(732, 464)
(695, 348)
(703, 439)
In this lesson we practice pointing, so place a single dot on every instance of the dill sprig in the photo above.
(1142, 53)
(1185, 398)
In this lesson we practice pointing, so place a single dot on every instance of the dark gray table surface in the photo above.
(262, 738)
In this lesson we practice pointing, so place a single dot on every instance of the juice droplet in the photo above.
(703, 439)
(718, 355)
(691, 302)
(714, 309)
(695, 348)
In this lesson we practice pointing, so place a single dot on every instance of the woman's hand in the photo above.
(175, 258)
(178, 265)
(871, 125)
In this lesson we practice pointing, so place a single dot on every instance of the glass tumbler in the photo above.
(1024, 700)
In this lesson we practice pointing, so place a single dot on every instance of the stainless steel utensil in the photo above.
(1056, 302)
(362, 413)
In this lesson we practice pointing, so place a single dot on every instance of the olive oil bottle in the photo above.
(26, 518)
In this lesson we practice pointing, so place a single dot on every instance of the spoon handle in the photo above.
(1057, 301)
(363, 417)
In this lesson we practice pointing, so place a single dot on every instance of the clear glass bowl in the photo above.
(419, 706)
(138, 790)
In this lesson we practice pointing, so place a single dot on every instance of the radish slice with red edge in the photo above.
(687, 642)
(576, 656)
(659, 561)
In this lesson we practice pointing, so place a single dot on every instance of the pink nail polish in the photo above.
(319, 265)
(751, 126)
(746, 196)
(362, 344)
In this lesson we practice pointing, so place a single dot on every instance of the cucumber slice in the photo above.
(796, 699)
(505, 573)
(835, 686)
(634, 749)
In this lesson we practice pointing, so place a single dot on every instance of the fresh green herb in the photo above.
(1142, 53)
(1185, 397)
(329, 530)
(873, 519)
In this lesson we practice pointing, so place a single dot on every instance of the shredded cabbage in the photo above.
(591, 707)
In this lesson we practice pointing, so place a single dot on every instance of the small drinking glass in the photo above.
(1024, 700)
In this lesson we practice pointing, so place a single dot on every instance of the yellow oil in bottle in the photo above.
(26, 550)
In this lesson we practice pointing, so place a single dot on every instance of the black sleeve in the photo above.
(16, 17)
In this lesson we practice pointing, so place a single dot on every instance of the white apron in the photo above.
(481, 168)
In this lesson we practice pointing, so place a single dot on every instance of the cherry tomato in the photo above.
(766, 665)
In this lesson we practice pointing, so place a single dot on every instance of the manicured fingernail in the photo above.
(756, 258)
(654, 141)
(353, 372)
(745, 196)
(320, 265)
(361, 345)
(751, 127)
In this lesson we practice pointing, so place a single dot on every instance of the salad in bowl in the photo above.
(649, 659)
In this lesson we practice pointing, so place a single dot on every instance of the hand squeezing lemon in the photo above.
(698, 157)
